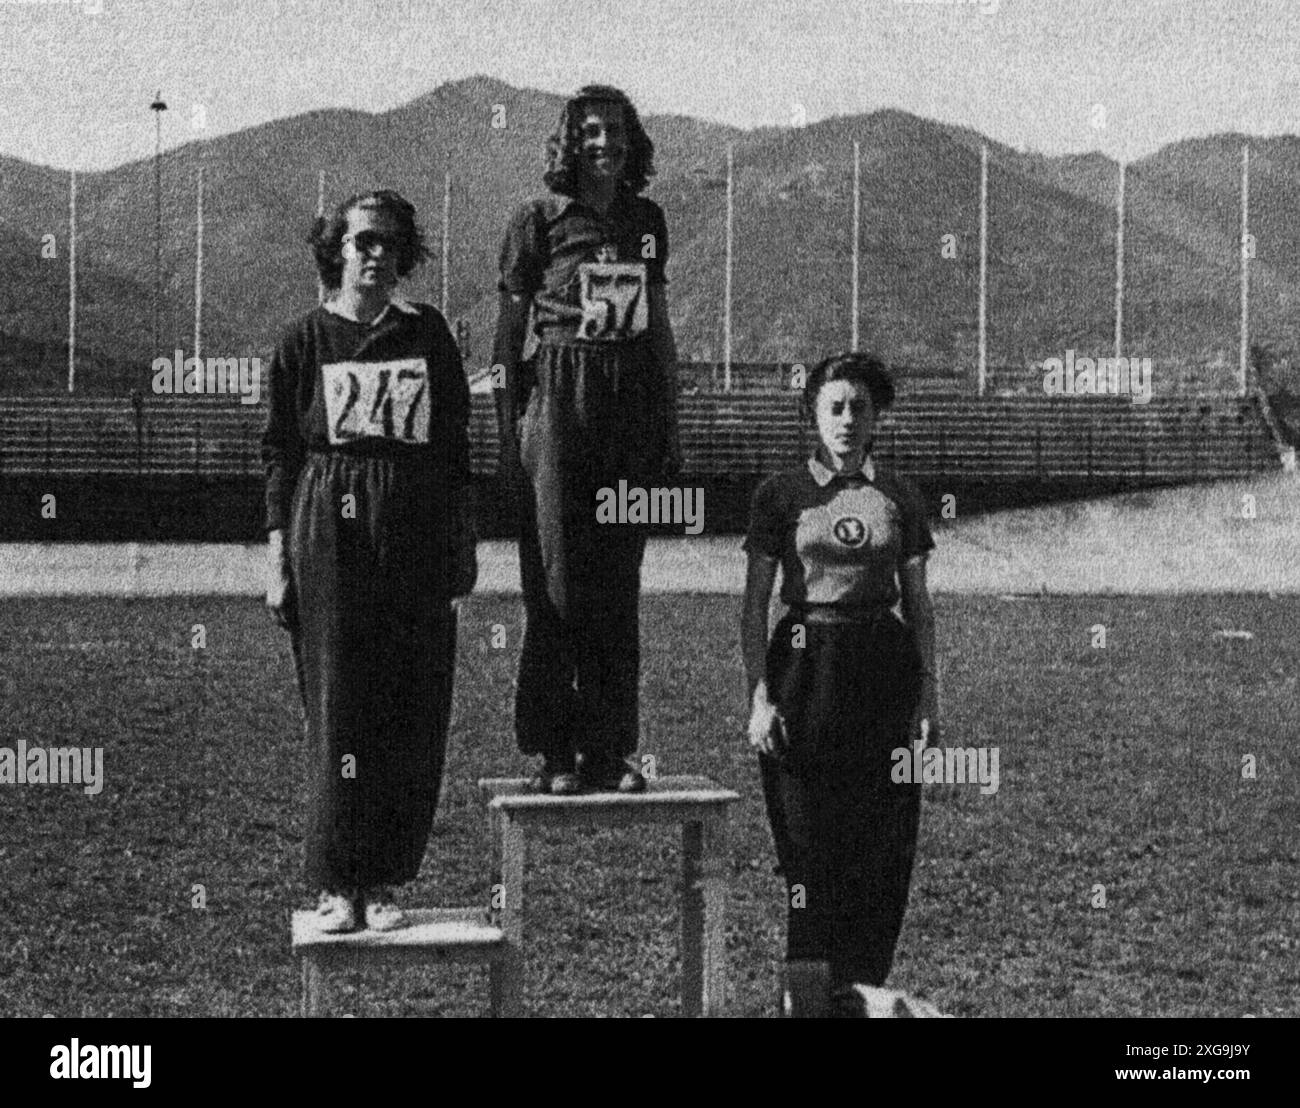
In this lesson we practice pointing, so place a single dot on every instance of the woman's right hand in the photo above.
(767, 733)
(277, 578)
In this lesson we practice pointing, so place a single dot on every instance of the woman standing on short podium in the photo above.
(595, 405)
(841, 685)
(370, 541)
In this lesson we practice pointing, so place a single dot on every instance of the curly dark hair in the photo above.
(564, 147)
(868, 370)
(326, 237)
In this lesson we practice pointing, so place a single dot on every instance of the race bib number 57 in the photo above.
(377, 400)
(613, 300)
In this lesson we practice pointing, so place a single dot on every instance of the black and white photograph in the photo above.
(573, 509)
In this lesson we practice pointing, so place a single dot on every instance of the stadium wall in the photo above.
(191, 470)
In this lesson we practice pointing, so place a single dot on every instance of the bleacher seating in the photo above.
(925, 435)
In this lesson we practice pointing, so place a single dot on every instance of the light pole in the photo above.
(72, 281)
(708, 182)
(727, 292)
(984, 269)
(157, 107)
(1119, 262)
(446, 240)
(198, 265)
(857, 235)
(320, 212)
(1243, 357)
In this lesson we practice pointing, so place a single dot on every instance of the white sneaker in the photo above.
(336, 913)
(382, 912)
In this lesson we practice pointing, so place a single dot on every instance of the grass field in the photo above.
(1120, 767)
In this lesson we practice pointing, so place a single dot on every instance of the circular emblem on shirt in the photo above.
(850, 531)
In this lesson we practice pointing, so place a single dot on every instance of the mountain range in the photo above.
(1051, 238)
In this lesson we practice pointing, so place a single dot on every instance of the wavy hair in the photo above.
(564, 147)
(326, 237)
(867, 370)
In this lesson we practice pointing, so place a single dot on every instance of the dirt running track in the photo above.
(1236, 536)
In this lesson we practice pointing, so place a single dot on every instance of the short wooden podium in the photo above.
(495, 937)
(432, 936)
(696, 804)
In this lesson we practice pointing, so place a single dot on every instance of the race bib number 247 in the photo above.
(385, 400)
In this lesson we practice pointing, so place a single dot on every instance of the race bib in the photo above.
(377, 400)
(613, 300)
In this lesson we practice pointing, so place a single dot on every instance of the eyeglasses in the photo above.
(366, 241)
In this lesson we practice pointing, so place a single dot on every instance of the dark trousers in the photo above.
(578, 688)
(845, 833)
(374, 640)
(593, 417)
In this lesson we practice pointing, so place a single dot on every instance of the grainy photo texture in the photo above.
(570, 509)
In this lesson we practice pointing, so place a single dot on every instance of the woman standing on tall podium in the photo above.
(842, 683)
(596, 404)
(370, 540)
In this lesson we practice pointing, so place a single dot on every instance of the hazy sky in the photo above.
(77, 76)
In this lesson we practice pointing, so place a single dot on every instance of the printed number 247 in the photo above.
(394, 401)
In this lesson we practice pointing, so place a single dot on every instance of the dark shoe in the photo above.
(632, 781)
(807, 992)
(558, 778)
(846, 1003)
(565, 784)
(606, 775)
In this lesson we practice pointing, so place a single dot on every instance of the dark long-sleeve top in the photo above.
(551, 241)
(394, 387)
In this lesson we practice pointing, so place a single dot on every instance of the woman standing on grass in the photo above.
(841, 684)
(596, 404)
(370, 540)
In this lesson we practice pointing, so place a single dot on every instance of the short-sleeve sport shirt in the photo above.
(550, 240)
(840, 538)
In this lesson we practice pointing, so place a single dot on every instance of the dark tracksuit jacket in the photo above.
(367, 461)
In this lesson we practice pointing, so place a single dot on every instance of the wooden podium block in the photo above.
(431, 936)
(666, 800)
(696, 804)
